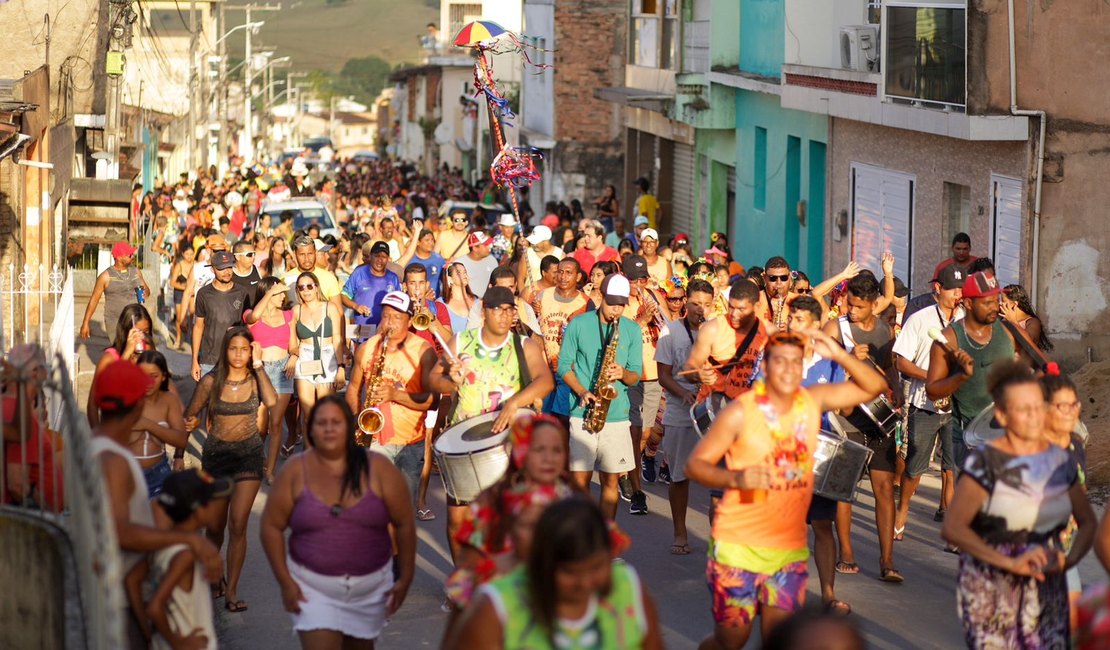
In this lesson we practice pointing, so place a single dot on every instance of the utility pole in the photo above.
(194, 102)
(248, 128)
(118, 40)
(221, 95)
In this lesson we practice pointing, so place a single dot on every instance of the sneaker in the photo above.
(638, 504)
(647, 463)
(665, 474)
(625, 486)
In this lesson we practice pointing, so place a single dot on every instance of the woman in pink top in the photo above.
(339, 579)
(269, 323)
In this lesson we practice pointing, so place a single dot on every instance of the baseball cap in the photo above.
(681, 237)
(215, 240)
(634, 267)
(900, 288)
(498, 296)
(951, 277)
(506, 220)
(321, 245)
(379, 247)
(120, 385)
(640, 221)
(615, 289)
(398, 300)
(551, 221)
(184, 492)
(981, 285)
(539, 234)
(222, 260)
(650, 232)
(478, 238)
(123, 249)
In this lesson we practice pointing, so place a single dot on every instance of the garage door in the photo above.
(1006, 229)
(682, 207)
(882, 218)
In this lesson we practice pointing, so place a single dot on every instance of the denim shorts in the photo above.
(408, 458)
(275, 370)
(925, 427)
(155, 476)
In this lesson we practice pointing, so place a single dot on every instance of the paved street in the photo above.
(917, 614)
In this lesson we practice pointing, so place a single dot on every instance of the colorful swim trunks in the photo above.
(737, 594)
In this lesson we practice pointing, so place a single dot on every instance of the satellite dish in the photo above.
(101, 155)
(444, 133)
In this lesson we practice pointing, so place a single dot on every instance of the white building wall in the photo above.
(813, 29)
(538, 91)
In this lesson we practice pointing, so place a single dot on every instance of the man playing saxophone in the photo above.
(392, 363)
(595, 360)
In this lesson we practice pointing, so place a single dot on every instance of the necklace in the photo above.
(791, 455)
(235, 385)
(975, 345)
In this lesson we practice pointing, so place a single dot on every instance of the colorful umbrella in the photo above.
(478, 32)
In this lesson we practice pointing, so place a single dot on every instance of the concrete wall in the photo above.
(761, 36)
(934, 160)
(33, 603)
(813, 30)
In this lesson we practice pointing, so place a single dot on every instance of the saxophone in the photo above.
(371, 420)
(596, 413)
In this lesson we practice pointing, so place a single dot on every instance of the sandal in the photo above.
(287, 450)
(939, 514)
(891, 574)
(680, 549)
(838, 608)
(425, 514)
(849, 568)
(899, 533)
(236, 606)
(218, 588)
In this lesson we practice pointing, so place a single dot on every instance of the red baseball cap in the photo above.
(981, 285)
(120, 385)
(123, 249)
(478, 238)
(551, 221)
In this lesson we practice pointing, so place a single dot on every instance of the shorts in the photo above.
(925, 427)
(275, 370)
(885, 458)
(821, 509)
(178, 296)
(240, 460)
(959, 447)
(608, 451)
(353, 605)
(738, 594)
(155, 476)
(677, 445)
(407, 458)
(645, 398)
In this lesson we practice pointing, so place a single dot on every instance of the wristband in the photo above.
(256, 364)
(179, 453)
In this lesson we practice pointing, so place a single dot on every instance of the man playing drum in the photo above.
(489, 369)
(767, 437)
(870, 340)
(585, 345)
(399, 391)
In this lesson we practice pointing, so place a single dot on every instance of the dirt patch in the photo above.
(1093, 381)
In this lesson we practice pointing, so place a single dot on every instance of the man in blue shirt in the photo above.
(422, 250)
(368, 284)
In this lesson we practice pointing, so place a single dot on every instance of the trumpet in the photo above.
(422, 318)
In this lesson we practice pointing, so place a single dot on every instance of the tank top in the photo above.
(612, 621)
(879, 340)
(138, 507)
(119, 293)
(491, 374)
(269, 336)
(339, 542)
(972, 397)
(186, 610)
(321, 331)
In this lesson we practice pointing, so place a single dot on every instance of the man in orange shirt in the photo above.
(400, 395)
(733, 343)
(767, 438)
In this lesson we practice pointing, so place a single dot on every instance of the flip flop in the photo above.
(848, 568)
(680, 549)
(218, 589)
(425, 515)
(899, 533)
(236, 606)
(891, 575)
(838, 607)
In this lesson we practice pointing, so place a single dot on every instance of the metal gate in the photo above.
(682, 207)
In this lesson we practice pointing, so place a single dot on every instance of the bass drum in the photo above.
(471, 457)
(704, 412)
(838, 466)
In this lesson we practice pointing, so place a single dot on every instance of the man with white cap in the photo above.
(539, 247)
(299, 185)
(608, 451)
(400, 394)
(505, 238)
(117, 284)
(479, 262)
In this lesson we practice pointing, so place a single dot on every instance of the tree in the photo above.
(361, 78)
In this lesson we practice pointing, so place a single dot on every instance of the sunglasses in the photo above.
(244, 254)
(461, 220)
(306, 287)
(778, 278)
(678, 299)
(806, 291)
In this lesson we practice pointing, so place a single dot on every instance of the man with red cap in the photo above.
(479, 262)
(118, 392)
(117, 284)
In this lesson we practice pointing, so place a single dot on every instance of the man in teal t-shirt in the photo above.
(608, 451)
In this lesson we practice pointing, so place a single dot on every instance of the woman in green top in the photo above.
(569, 595)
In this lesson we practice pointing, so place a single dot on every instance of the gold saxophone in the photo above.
(593, 420)
(371, 420)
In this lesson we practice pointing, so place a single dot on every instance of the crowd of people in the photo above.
(344, 370)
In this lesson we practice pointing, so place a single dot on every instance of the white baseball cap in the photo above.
(539, 234)
(649, 232)
(397, 300)
(615, 289)
(507, 219)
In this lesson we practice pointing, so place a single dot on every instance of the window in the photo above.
(957, 210)
(759, 170)
(655, 37)
(926, 53)
(461, 14)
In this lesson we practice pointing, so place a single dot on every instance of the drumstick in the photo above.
(938, 336)
(697, 370)
(443, 344)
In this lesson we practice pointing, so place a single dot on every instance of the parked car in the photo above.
(303, 212)
(492, 211)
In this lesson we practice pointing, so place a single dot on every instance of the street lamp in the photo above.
(254, 27)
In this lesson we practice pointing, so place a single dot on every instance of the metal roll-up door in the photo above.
(682, 207)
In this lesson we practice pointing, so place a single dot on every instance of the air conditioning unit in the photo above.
(859, 47)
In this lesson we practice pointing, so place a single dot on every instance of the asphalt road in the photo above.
(920, 613)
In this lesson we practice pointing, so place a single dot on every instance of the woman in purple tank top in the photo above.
(338, 500)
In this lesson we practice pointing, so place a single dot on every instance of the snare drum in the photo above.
(838, 465)
(883, 414)
(705, 411)
(982, 429)
(471, 458)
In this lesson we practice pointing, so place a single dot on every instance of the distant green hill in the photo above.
(324, 34)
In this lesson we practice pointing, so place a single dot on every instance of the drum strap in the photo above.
(524, 375)
(743, 347)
